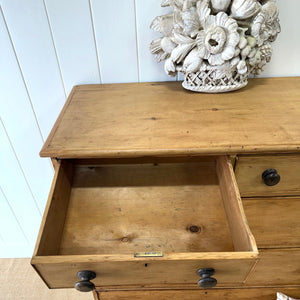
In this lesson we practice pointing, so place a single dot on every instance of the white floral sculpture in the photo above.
(216, 44)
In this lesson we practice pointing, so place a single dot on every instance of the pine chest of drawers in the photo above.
(154, 186)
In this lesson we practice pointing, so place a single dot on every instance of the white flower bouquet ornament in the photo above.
(216, 44)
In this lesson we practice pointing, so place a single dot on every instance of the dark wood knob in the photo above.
(84, 285)
(207, 281)
(270, 177)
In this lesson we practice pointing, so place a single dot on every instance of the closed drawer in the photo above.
(178, 215)
(217, 294)
(275, 221)
(276, 267)
(249, 170)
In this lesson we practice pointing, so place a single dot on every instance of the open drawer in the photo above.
(153, 223)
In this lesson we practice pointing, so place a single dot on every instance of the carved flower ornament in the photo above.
(218, 39)
(216, 44)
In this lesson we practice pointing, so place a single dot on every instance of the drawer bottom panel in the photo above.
(217, 294)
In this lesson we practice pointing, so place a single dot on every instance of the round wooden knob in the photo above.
(270, 177)
(207, 281)
(84, 285)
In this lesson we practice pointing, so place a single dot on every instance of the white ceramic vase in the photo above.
(216, 44)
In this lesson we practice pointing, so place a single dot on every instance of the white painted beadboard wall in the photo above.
(46, 47)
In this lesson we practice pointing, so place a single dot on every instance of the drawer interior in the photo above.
(148, 207)
(168, 205)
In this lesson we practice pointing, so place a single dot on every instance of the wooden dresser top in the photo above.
(163, 119)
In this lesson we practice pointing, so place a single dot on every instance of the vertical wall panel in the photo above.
(30, 33)
(116, 39)
(285, 60)
(146, 11)
(16, 190)
(19, 119)
(10, 231)
(74, 40)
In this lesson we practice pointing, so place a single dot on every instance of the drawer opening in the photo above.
(176, 206)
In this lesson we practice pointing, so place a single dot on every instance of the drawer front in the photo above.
(275, 222)
(224, 294)
(249, 171)
(276, 267)
(142, 274)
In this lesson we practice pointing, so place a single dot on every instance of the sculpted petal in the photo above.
(200, 38)
(216, 60)
(244, 9)
(203, 52)
(233, 39)
(221, 19)
(210, 21)
(231, 24)
(228, 53)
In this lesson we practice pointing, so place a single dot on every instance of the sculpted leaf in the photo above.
(165, 3)
(181, 39)
(180, 52)
(203, 10)
(191, 22)
(163, 24)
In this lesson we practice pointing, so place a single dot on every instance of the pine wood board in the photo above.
(215, 294)
(239, 228)
(107, 220)
(276, 267)
(60, 272)
(249, 171)
(275, 222)
(48, 241)
(124, 209)
(163, 119)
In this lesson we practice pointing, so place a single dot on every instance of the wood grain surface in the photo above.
(51, 229)
(163, 119)
(239, 229)
(249, 171)
(232, 268)
(117, 210)
(275, 221)
(276, 267)
(215, 294)
(124, 209)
